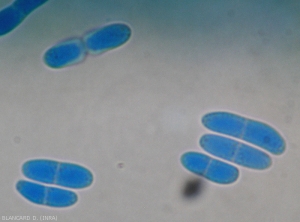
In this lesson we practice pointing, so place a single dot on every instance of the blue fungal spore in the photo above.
(27, 6)
(10, 18)
(219, 146)
(57, 197)
(40, 170)
(32, 191)
(221, 172)
(75, 50)
(212, 169)
(44, 195)
(223, 122)
(235, 151)
(65, 53)
(195, 162)
(74, 176)
(252, 158)
(62, 174)
(252, 131)
(12, 15)
(106, 38)
(264, 136)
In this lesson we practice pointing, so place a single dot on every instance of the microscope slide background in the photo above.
(129, 114)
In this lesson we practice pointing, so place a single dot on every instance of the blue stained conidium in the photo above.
(65, 53)
(27, 6)
(44, 195)
(212, 169)
(255, 132)
(53, 172)
(106, 38)
(235, 151)
(10, 18)
(12, 15)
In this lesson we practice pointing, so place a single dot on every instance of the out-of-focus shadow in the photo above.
(187, 193)
(193, 188)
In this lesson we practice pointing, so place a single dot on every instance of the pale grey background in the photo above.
(141, 105)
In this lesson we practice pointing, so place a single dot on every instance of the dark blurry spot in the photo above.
(192, 188)
(120, 165)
